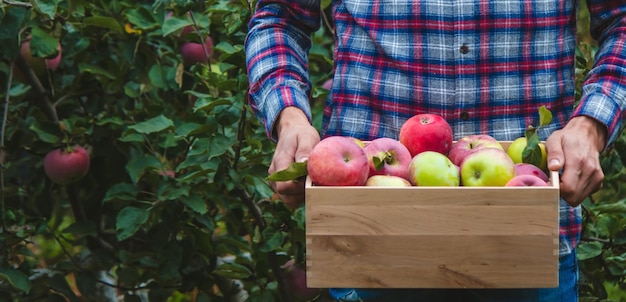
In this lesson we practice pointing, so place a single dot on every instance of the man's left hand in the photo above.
(575, 150)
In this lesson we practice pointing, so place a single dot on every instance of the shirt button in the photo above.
(464, 115)
(464, 49)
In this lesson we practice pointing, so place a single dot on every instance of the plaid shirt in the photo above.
(486, 66)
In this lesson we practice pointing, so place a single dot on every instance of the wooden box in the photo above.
(432, 237)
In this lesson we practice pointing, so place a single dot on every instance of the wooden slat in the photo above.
(414, 262)
(432, 220)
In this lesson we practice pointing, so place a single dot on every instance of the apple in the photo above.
(37, 64)
(426, 132)
(388, 156)
(192, 52)
(338, 161)
(430, 168)
(526, 180)
(526, 168)
(468, 144)
(328, 84)
(487, 167)
(295, 278)
(518, 145)
(66, 165)
(387, 181)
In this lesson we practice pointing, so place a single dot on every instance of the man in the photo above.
(485, 66)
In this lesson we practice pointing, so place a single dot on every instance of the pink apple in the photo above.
(338, 161)
(430, 168)
(526, 180)
(468, 144)
(487, 167)
(328, 84)
(387, 181)
(193, 52)
(426, 132)
(66, 165)
(526, 168)
(295, 277)
(37, 64)
(388, 156)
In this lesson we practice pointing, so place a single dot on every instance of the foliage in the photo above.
(176, 204)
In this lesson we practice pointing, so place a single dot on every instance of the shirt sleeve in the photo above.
(277, 46)
(604, 90)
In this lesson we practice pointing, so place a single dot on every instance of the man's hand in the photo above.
(296, 139)
(576, 150)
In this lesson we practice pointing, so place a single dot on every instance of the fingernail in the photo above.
(555, 162)
(303, 159)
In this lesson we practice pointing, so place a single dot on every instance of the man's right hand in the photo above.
(296, 139)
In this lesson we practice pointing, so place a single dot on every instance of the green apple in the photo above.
(430, 168)
(487, 167)
(517, 147)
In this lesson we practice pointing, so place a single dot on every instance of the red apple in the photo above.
(426, 132)
(526, 180)
(338, 161)
(328, 85)
(431, 168)
(487, 167)
(388, 156)
(295, 277)
(468, 144)
(37, 64)
(66, 165)
(526, 168)
(387, 181)
(192, 52)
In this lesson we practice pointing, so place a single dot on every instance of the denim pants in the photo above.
(566, 292)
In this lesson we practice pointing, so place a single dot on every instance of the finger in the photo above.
(554, 153)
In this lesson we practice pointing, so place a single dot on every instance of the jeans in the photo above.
(566, 292)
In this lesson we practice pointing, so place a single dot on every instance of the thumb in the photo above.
(554, 155)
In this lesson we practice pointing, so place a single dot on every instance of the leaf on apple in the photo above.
(545, 116)
(293, 172)
(532, 152)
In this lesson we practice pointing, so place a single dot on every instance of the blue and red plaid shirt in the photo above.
(486, 66)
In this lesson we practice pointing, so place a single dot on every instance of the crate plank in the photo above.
(432, 261)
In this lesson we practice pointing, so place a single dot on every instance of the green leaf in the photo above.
(157, 79)
(155, 124)
(42, 44)
(121, 191)
(141, 18)
(295, 171)
(10, 24)
(46, 7)
(232, 271)
(532, 152)
(195, 202)
(103, 22)
(588, 250)
(16, 279)
(272, 240)
(137, 166)
(174, 24)
(88, 68)
(129, 220)
(545, 116)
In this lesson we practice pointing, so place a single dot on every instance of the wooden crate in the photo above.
(432, 237)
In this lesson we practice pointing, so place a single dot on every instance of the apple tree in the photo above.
(174, 204)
